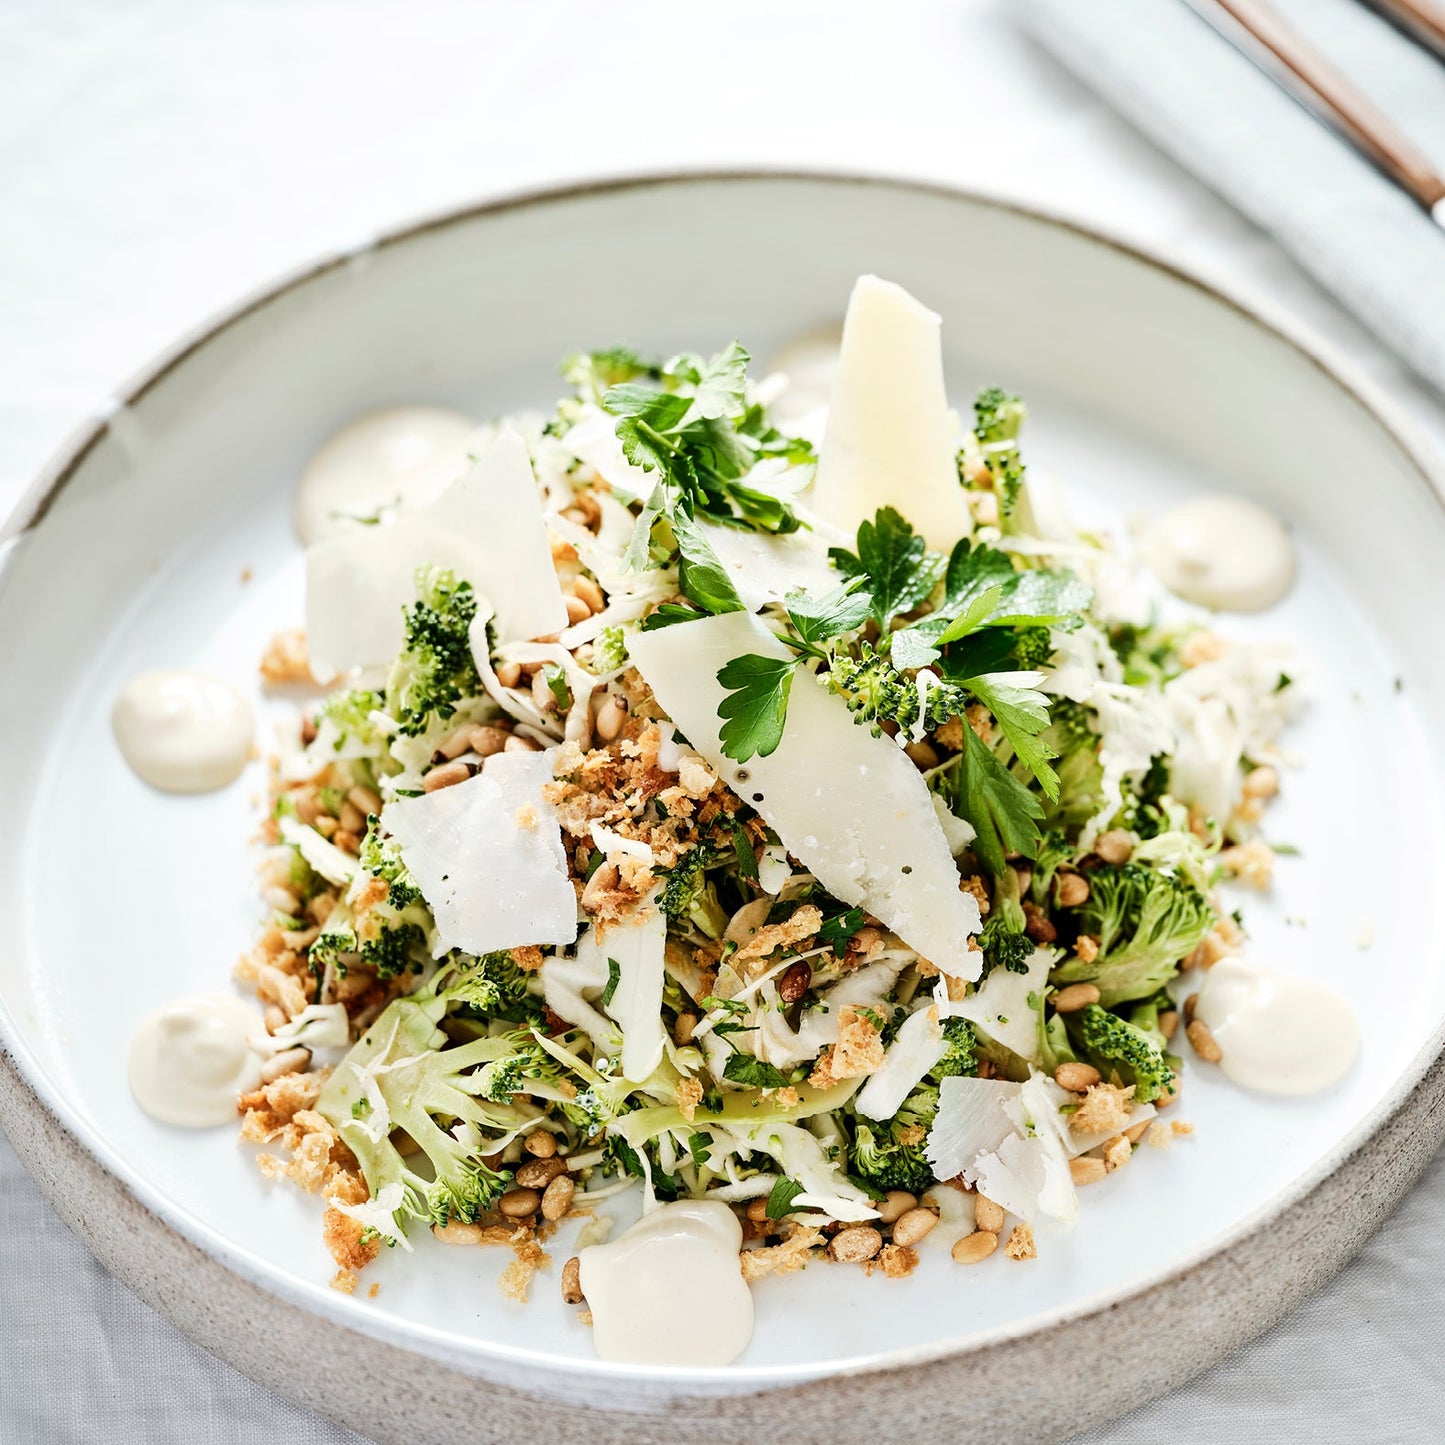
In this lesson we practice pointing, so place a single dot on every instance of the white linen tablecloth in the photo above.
(158, 157)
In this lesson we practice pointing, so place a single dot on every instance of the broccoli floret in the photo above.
(1145, 921)
(1033, 647)
(1003, 940)
(399, 1075)
(495, 986)
(1054, 850)
(958, 1058)
(352, 729)
(609, 652)
(997, 418)
(397, 950)
(434, 670)
(1081, 775)
(528, 1069)
(689, 895)
(877, 692)
(381, 857)
(1121, 1051)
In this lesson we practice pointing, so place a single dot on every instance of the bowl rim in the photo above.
(478, 1357)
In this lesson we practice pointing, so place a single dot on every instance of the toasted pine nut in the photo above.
(922, 754)
(1037, 925)
(1076, 1077)
(557, 1197)
(543, 695)
(611, 717)
(1116, 846)
(1076, 996)
(572, 1282)
(487, 741)
(1167, 1097)
(518, 744)
(367, 799)
(324, 824)
(577, 609)
(1135, 1134)
(987, 1215)
(509, 674)
(976, 1246)
(795, 981)
(540, 1144)
(351, 817)
(589, 592)
(909, 1228)
(1087, 1171)
(518, 1203)
(1262, 782)
(1169, 1023)
(1071, 889)
(1204, 1042)
(539, 1173)
(455, 1232)
(347, 841)
(1190, 1004)
(682, 1029)
(275, 1017)
(289, 1061)
(897, 1203)
(456, 742)
(445, 776)
(855, 1244)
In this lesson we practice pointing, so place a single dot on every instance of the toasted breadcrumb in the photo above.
(344, 1281)
(1117, 1153)
(1252, 863)
(1105, 1106)
(373, 1291)
(859, 1049)
(689, 1096)
(897, 1261)
(526, 817)
(792, 1254)
(342, 1233)
(1021, 1243)
(804, 923)
(977, 887)
(516, 1279)
(1179, 1128)
(950, 735)
(285, 659)
(528, 958)
(1086, 948)
(1159, 1136)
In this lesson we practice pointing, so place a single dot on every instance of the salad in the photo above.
(805, 819)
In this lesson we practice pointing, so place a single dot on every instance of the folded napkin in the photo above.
(1217, 114)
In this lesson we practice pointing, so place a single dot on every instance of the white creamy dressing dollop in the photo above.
(398, 456)
(670, 1291)
(183, 732)
(190, 1059)
(1278, 1035)
(1223, 552)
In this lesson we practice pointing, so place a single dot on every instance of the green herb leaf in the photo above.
(781, 1196)
(614, 977)
(899, 568)
(669, 614)
(816, 619)
(1023, 714)
(699, 1145)
(722, 384)
(756, 707)
(747, 859)
(556, 681)
(746, 1069)
(836, 931)
(700, 575)
(1004, 813)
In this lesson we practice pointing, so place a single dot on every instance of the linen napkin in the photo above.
(1215, 112)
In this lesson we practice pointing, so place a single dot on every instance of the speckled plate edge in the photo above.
(1033, 1381)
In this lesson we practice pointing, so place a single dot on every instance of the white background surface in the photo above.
(158, 159)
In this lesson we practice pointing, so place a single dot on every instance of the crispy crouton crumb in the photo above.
(516, 1279)
(689, 1096)
(341, 1232)
(1086, 948)
(950, 735)
(526, 817)
(787, 1098)
(1105, 1106)
(1117, 1153)
(1252, 863)
(528, 959)
(1179, 1128)
(584, 1317)
(897, 1261)
(1021, 1243)
(976, 887)
(792, 1254)
(285, 659)
(804, 923)
(859, 1049)
(1159, 1136)
(344, 1281)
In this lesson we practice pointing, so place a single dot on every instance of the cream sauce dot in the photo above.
(398, 456)
(1226, 553)
(183, 732)
(670, 1291)
(190, 1059)
(1278, 1035)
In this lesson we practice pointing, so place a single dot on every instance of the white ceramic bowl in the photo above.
(1143, 385)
